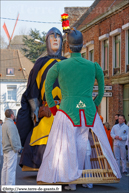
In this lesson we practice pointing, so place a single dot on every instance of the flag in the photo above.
(15, 26)
(6, 31)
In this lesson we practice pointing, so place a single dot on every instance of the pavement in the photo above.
(29, 178)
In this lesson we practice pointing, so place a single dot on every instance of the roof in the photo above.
(14, 59)
(98, 8)
(17, 43)
(18, 39)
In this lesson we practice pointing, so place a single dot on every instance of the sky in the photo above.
(44, 11)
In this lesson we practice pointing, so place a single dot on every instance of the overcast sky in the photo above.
(45, 11)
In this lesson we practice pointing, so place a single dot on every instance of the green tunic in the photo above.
(76, 77)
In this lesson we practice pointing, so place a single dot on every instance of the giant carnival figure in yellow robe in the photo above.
(34, 118)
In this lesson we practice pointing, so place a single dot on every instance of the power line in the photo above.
(30, 20)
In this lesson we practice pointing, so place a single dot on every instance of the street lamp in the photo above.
(38, 41)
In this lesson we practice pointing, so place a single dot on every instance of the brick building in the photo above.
(75, 13)
(105, 28)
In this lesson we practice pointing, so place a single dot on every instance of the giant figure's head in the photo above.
(75, 40)
(54, 42)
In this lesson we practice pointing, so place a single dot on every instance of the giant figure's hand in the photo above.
(44, 111)
(34, 104)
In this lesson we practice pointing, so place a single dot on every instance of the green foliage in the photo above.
(33, 50)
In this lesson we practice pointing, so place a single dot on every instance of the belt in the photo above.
(57, 102)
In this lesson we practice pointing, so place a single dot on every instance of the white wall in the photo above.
(105, 108)
(4, 103)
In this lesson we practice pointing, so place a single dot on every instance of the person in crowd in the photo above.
(34, 119)
(116, 118)
(108, 131)
(1, 122)
(65, 153)
(107, 128)
(11, 146)
(119, 134)
(127, 142)
(15, 120)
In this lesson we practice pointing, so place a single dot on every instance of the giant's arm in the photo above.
(34, 91)
(33, 96)
(100, 79)
(50, 79)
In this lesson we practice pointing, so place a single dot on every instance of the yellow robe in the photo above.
(44, 126)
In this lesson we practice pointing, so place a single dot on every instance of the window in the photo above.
(84, 55)
(91, 55)
(128, 46)
(11, 93)
(127, 51)
(9, 71)
(126, 101)
(105, 108)
(106, 45)
(117, 51)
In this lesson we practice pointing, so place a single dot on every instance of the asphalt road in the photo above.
(29, 178)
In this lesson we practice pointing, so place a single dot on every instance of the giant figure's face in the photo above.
(55, 42)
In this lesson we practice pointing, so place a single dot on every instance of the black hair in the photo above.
(122, 116)
(75, 48)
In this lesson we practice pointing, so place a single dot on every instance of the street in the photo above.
(29, 178)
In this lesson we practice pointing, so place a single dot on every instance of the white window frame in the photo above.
(89, 55)
(90, 46)
(113, 34)
(105, 109)
(10, 74)
(83, 50)
(126, 28)
(20, 90)
(7, 93)
(102, 39)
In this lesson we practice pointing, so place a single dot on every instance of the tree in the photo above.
(3, 44)
(33, 50)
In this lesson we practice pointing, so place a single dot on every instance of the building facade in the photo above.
(105, 28)
(14, 72)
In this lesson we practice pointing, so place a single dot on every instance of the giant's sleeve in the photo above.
(100, 79)
(50, 80)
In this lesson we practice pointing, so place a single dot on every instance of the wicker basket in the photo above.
(101, 171)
